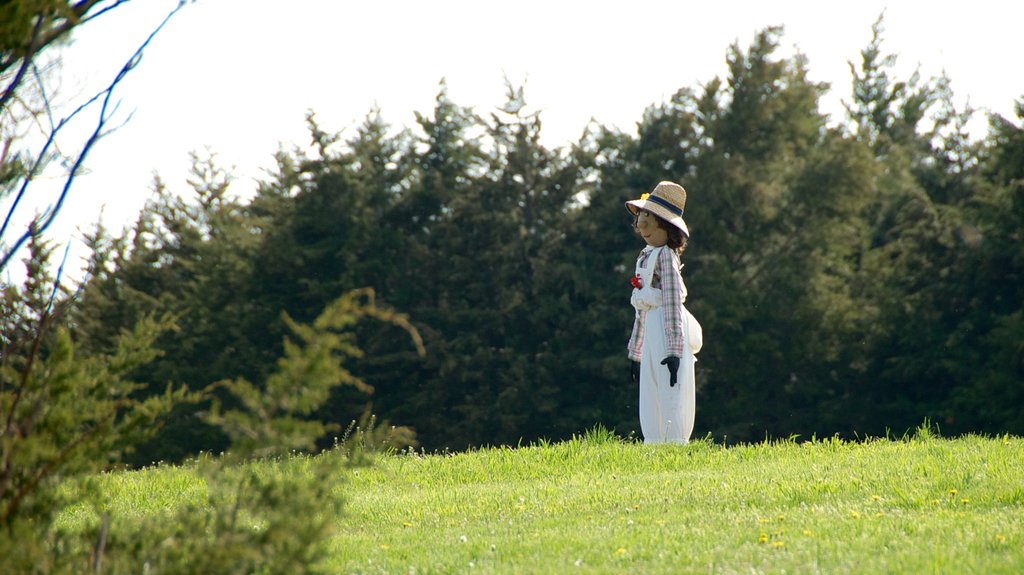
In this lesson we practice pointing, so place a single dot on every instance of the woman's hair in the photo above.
(676, 238)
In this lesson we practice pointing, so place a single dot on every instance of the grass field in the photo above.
(599, 504)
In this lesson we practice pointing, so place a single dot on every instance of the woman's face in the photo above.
(647, 224)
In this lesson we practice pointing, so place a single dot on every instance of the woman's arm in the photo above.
(672, 294)
(636, 339)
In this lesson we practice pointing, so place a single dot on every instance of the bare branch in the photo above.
(40, 225)
(82, 7)
(101, 544)
(42, 92)
(30, 53)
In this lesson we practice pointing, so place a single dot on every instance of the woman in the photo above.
(665, 336)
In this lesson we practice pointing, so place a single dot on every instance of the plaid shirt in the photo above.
(673, 293)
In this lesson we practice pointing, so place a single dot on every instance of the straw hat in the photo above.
(666, 201)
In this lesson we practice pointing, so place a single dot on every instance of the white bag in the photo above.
(692, 331)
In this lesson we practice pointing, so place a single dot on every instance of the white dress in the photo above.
(666, 412)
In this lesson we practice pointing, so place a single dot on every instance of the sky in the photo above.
(237, 77)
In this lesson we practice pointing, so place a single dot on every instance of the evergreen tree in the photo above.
(990, 362)
(65, 416)
(445, 165)
(752, 199)
(842, 275)
(490, 246)
(910, 276)
(190, 260)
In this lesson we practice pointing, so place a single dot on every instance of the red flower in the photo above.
(635, 280)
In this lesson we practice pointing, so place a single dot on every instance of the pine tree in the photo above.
(190, 259)
(65, 416)
(747, 260)
(990, 360)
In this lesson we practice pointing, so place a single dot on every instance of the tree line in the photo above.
(852, 278)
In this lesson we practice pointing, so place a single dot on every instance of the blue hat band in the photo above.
(665, 204)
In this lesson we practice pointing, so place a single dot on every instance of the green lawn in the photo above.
(603, 505)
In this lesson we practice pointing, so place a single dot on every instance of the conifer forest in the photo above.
(853, 277)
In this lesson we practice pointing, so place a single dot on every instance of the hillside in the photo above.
(600, 504)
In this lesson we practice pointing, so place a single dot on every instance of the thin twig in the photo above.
(30, 52)
(238, 504)
(56, 281)
(27, 372)
(101, 544)
(34, 229)
(93, 16)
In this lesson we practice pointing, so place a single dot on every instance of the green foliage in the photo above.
(490, 267)
(254, 518)
(63, 415)
(82, 382)
(27, 27)
(66, 418)
(885, 111)
(272, 419)
(850, 279)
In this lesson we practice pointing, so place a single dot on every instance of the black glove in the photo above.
(673, 368)
(635, 371)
